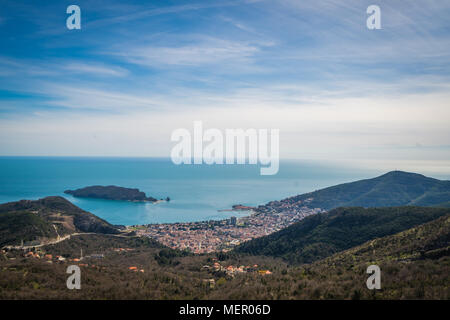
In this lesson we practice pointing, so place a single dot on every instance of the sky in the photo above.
(138, 70)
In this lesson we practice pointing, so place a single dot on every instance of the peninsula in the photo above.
(112, 193)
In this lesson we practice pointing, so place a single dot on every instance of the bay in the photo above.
(197, 192)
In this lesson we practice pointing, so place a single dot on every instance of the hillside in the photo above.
(321, 235)
(430, 240)
(415, 264)
(111, 193)
(46, 218)
(395, 188)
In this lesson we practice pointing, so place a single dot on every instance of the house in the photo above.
(264, 272)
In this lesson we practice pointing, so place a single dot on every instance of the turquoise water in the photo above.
(197, 192)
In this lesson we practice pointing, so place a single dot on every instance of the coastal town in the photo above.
(223, 235)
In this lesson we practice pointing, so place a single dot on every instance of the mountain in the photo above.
(323, 234)
(414, 265)
(111, 193)
(35, 220)
(430, 240)
(395, 188)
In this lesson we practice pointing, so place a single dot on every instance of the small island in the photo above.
(112, 193)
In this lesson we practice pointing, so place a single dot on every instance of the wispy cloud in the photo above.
(57, 67)
(95, 69)
(146, 13)
(75, 97)
(240, 25)
(210, 51)
(10, 66)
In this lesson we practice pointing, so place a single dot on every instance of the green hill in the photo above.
(430, 240)
(414, 263)
(16, 226)
(395, 188)
(321, 235)
(45, 218)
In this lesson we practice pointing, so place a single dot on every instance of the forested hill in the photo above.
(47, 218)
(395, 188)
(321, 235)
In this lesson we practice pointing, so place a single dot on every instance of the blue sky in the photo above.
(137, 70)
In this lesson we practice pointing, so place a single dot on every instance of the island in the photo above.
(112, 193)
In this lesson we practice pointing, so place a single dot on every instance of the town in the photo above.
(223, 235)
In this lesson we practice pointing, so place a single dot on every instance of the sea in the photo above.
(197, 192)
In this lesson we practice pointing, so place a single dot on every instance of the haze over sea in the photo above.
(197, 192)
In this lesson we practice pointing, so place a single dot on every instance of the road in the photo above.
(60, 239)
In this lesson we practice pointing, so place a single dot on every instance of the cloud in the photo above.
(87, 98)
(240, 25)
(146, 13)
(57, 68)
(376, 128)
(17, 67)
(95, 69)
(311, 69)
(210, 51)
